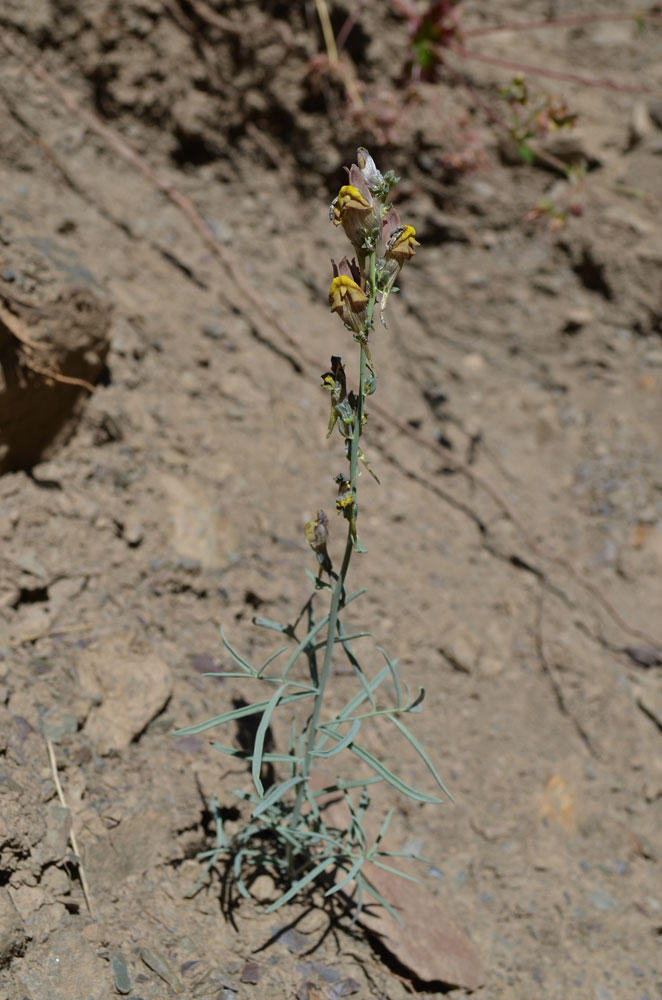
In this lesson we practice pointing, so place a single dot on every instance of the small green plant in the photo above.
(285, 831)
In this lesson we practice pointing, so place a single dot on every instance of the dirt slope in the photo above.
(515, 570)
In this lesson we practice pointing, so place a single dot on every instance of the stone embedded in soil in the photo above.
(199, 532)
(12, 929)
(576, 319)
(133, 688)
(65, 967)
(294, 940)
(644, 656)
(655, 111)
(430, 945)
(343, 988)
(461, 653)
(251, 973)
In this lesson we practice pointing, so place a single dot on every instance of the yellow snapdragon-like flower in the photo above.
(346, 297)
(401, 244)
(354, 209)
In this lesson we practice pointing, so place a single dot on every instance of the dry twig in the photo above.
(72, 835)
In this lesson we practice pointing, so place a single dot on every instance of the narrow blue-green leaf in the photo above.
(352, 597)
(314, 808)
(356, 666)
(407, 855)
(225, 673)
(393, 871)
(267, 758)
(359, 899)
(289, 837)
(237, 875)
(369, 888)
(302, 645)
(236, 657)
(268, 623)
(348, 878)
(422, 754)
(324, 838)
(357, 831)
(300, 884)
(270, 659)
(257, 677)
(364, 802)
(340, 785)
(319, 584)
(384, 826)
(238, 713)
(381, 769)
(274, 794)
(215, 809)
(245, 797)
(345, 741)
(260, 736)
(413, 707)
(359, 698)
(345, 638)
(392, 664)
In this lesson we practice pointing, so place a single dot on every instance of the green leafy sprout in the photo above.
(286, 830)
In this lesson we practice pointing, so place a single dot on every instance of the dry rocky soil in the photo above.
(166, 169)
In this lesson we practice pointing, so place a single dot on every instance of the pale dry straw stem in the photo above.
(72, 835)
(332, 52)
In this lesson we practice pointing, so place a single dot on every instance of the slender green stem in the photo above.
(339, 588)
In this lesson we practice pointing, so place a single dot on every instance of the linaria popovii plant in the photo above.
(285, 831)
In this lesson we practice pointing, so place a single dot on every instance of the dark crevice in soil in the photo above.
(591, 273)
(31, 595)
(194, 150)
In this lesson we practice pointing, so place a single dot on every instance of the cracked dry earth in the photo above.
(514, 546)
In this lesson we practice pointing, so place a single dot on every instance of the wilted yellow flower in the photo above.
(335, 383)
(317, 534)
(346, 297)
(346, 495)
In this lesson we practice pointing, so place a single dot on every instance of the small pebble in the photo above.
(343, 988)
(294, 940)
(133, 532)
(158, 964)
(120, 973)
(251, 973)
(644, 656)
(602, 900)
(213, 330)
